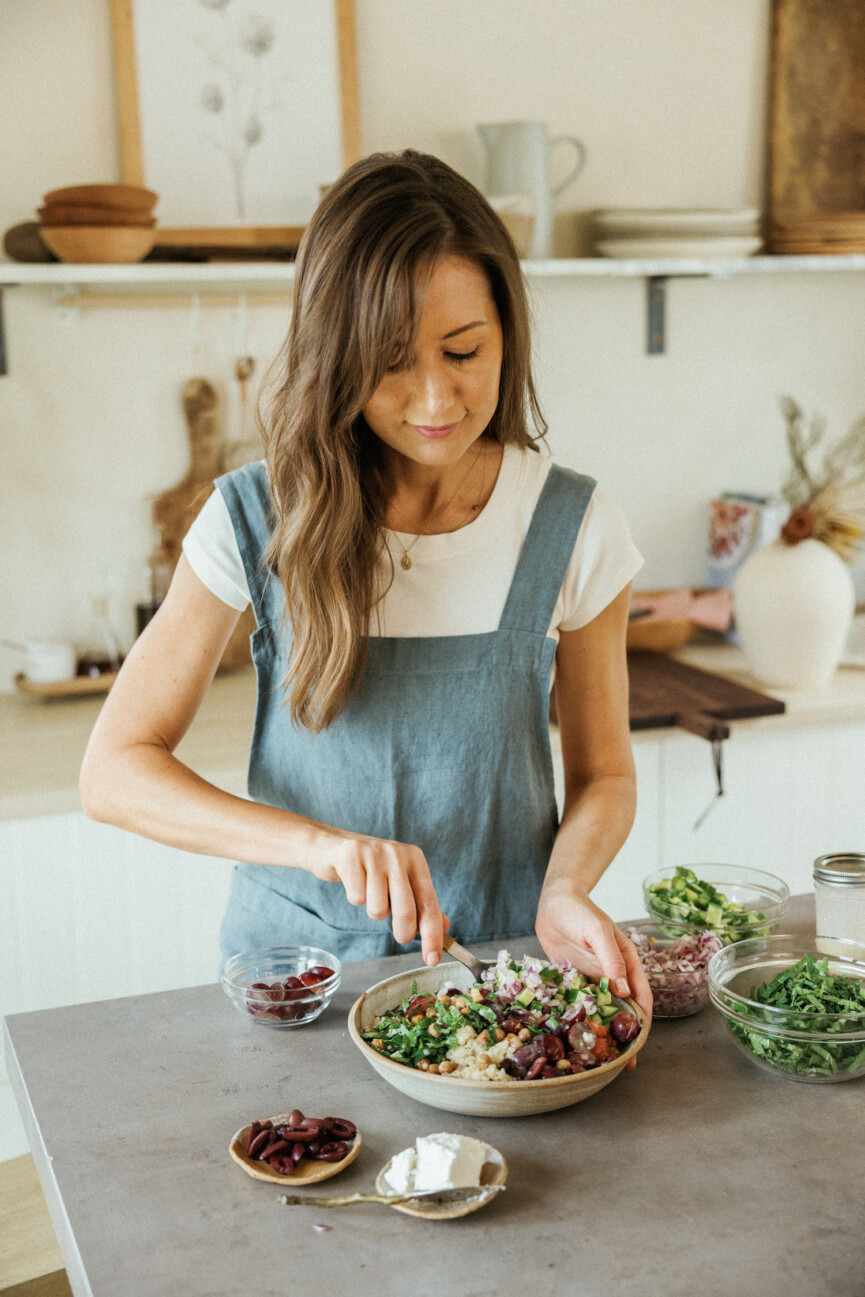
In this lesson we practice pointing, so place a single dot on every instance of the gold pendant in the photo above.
(405, 562)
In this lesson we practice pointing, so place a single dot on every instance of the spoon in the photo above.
(307, 1171)
(472, 963)
(435, 1197)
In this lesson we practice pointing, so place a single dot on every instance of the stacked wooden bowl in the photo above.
(99, 223)
(820, 232)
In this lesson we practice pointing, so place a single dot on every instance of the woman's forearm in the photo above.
(596, 820)
(152, 793)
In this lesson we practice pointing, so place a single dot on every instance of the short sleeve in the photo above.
(604, 560)
(211, 547)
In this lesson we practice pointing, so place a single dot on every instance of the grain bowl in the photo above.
(485, 1097)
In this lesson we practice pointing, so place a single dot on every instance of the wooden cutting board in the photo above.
(667, 692)
(817, 107)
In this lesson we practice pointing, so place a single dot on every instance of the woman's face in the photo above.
(435, 403)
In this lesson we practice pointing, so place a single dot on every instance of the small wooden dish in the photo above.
(307, 1171)
(494, 1171)
(76, 687)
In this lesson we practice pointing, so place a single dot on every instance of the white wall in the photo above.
(669, 98)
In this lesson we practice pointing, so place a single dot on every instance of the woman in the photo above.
(416, 570)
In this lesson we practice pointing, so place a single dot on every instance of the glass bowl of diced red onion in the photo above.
(677, 967)
(281, 986)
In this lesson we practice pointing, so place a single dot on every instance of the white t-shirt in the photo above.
(458, 582)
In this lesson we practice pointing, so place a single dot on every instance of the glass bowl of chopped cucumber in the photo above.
(795, 1005)
(735, 902)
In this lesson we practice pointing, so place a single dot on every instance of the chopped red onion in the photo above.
(677, 971)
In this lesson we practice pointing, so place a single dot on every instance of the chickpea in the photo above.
(484, 1060)
(477, 994)
(434, 1067)
(465, 1011)
(447, 1067)
(524, 1033)
(423, 1065)
(512, 1040)
(434, 1032)
(499, 1034)
(563, 1065)
(460, 1002)
(378, 1044)
(418, 1017)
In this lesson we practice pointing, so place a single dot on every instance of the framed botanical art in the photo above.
(236, 112)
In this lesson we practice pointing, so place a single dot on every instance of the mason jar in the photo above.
(839, 895)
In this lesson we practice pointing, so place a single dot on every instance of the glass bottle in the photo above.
(101, 655)
(839, 895)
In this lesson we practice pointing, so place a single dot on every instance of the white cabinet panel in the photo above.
(789, 795)
(620, 891)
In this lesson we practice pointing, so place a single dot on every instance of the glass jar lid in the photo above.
(844, 867)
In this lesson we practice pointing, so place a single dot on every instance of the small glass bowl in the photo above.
(255, 982)
(763, 894)
(813, 1047)
(674, 995)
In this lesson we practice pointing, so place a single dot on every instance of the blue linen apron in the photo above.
(444, 745)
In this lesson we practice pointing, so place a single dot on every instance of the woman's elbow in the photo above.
(95, 789)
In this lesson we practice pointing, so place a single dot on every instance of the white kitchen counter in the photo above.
(43, 742)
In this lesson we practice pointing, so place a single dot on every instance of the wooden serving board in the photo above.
(817, 107)
(667, 692)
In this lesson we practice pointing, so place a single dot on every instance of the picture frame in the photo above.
(236, 112)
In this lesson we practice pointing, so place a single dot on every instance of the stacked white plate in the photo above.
(641, 232)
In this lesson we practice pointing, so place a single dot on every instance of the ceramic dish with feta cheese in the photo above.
(442, 1161)
(530, 1037)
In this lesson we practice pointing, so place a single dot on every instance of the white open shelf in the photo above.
(243, 275)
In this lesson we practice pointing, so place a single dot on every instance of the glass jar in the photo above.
(839, 895)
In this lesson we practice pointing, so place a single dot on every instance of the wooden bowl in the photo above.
(658, 636)
(104, 195)
(493, 1171)
(307, 1170)
(119, 244)
(475, 1098)
(86, 214)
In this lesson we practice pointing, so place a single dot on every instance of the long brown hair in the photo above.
(362, 269)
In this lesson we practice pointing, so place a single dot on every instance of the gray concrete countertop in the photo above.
(696, 1173)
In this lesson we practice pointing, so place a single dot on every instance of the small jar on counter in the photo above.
(839, 895)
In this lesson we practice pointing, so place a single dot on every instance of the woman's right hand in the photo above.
(390, 879)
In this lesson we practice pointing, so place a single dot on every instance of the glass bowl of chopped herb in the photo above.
(735, 902)
(795, 1005)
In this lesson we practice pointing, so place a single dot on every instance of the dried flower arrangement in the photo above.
(827, 503)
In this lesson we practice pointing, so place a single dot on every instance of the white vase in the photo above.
(794, 606)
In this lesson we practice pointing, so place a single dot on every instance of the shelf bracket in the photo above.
(4, 367)
(656, 314)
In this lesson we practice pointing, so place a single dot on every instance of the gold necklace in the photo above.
(405, 561)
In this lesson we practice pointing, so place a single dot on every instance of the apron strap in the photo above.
(247, 498)
(547, 550)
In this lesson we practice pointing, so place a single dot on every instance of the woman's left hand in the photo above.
(570, 926)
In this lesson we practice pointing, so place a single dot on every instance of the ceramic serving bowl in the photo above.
(475, 1098)
(88, 244)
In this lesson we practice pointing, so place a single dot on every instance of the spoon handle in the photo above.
(472, 963)
(303, 1200)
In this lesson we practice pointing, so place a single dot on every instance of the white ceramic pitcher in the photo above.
(518, 162)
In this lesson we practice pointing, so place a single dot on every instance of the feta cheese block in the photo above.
(440, 1161)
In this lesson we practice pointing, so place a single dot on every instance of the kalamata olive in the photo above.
(550, 1073)
(511, 1025)
(342, 1128)
(321, 971)
(624, 1026)
(333, 1152)
(513, 1069)
(297, 1152)
(312, 1148)
(257, 1142)
(272, 1149)
(526, 1054)
(553, 1047)
(295, 1117)
(537, 1067)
